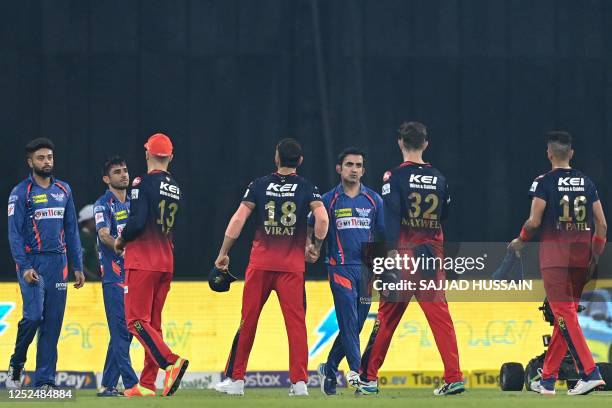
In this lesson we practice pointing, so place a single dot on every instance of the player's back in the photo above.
(423, 198)
(282, 204)
(154, 209)
(568, 217)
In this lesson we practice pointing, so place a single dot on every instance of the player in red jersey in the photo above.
(282, 201)
(416, 201)
(149, 265)
(566, 205)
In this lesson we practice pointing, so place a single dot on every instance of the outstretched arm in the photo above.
(232, 232)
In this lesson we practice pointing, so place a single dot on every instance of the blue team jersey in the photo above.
(353, 221)
(43, 220)
(111, 213)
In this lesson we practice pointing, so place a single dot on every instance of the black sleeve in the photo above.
(139, 211)
(445, 204)
(392, 210)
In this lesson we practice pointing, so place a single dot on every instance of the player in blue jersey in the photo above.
(356, 218)
(43, 236)
(111, 214)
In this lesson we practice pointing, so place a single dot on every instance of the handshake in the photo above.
(312, 252)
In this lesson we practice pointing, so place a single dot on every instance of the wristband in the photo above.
(598, 244)
(525, 235)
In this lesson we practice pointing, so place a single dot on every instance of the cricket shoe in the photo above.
(109, 392)
(352, 379)
(13, 378)
(138, 391)
(174, 374)
(47, 387)
(453, 388)
(328, 383)
(230, 387)
(298, 389)
(367, 387)
(587, 385)
(545, 386)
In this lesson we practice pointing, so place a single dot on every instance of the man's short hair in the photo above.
(37, 144)
(111, 162)
(289, 152)
(413, 135)
(350, 150)
(560, 143)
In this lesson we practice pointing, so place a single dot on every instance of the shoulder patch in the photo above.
(534, 186)
(386, 189)
(136, 181)
(386, 176)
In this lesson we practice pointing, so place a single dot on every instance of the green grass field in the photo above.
(268, 398)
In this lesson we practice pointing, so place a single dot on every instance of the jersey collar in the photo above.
(340, 189)
(411, 163)
(114, 197)
(31, 177)
(276, 173)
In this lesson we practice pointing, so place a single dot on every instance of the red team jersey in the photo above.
(416, 201)
(282, 204)
(567, 223)
(155, 200)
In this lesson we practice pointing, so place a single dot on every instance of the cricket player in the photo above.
(111, 213)
(356, 218)
(282, 201)
(566, 206)
(416, 201)
(149, 265)
(43, 235)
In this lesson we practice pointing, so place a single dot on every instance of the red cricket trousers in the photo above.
(563, 289)
(434, 306)
(144, 301)
(289, 287)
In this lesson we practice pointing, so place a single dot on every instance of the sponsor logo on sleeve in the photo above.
(246, 193)
(534, 186)
(136, 181)
(11, 209)
(386, 176)
(99, 218)
(386, 189)
(134, 194)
